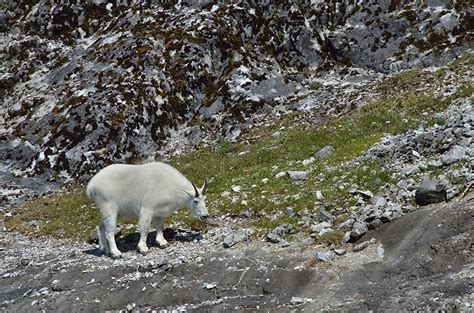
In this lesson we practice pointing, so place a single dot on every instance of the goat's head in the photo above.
(198, 205)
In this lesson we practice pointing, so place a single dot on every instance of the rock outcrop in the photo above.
(84, 85)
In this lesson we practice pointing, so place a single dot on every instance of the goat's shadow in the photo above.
(129, 242)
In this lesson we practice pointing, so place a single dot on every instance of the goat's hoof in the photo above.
(116, 256)
(143, 251)
(162, 244)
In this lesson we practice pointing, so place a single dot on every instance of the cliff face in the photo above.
(84, 85)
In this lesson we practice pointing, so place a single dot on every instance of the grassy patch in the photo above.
(334, 237)
(63, 215)
(315, 85)
(465, 90)
(263, 224)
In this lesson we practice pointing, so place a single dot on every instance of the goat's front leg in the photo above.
(160, 239)
(143, 225)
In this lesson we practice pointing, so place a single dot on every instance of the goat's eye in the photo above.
(196, 201)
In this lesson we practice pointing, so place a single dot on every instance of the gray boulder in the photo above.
(358, 229)
(430, 191)
(366, 194)
(323, 256)
(297, 175)
(325, 216)
(274, 238)
(374, 224)
(237, 236)
(284, 229)
(340, 252)
(325, 152)
(319, 227)
(454, 155)
(361, 246)
(277, 234)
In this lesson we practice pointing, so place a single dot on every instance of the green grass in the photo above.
(402, 107)
(68, 214)
(350, 135)
(315, 85)
(445, 170)
(63, 215)
(334, 237)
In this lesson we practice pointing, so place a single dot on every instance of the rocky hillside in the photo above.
(336, 137)
(85, 85)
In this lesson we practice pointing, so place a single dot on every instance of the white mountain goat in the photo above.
(150, 191)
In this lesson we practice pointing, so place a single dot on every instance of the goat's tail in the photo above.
(90, 190)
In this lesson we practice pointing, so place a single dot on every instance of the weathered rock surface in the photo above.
(297, 175)
(430, 191)
(237, 236)
(87, 84)
(277, 235)
(325, 152)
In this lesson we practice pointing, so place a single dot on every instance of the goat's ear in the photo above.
(203, 189)
(196, 192)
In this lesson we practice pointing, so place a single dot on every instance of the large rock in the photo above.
(237, 236)
(358, 229)
(284, 229)
(430, 191)
(455, 154)
(274, 238)
(325, 152)
(297, 175)
(320, 226)
(278, 233)
(325, 216)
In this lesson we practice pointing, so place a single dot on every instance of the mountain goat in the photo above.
(150, 191)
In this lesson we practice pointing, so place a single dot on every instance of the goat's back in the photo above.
(129, 185)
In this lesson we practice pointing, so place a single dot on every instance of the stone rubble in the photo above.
(237, 236)
(437, 147)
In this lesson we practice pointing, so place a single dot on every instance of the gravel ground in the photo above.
(422, 260)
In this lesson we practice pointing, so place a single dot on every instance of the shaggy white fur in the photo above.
(150, 191)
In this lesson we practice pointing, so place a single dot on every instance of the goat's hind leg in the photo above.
(103, 245)
(109, 221)
(143, 225)
(160, 239)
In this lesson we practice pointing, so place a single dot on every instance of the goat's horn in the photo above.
(195, 191)
(204, 187)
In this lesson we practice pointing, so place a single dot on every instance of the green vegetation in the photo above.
(68, 214)
(445, 170)
(315, 85)
(333, 237)
(254, 166)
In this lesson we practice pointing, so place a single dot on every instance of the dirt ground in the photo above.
(422, 261)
